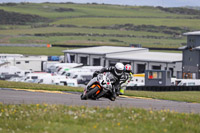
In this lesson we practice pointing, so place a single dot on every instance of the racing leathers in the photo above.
(126, 78)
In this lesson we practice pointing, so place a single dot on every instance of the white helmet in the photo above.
(119, 67)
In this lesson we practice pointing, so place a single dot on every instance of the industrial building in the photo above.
(191, 56)
(96, 56)
(140, 58)
(150, 61)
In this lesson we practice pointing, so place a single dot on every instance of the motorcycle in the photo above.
(100, 86)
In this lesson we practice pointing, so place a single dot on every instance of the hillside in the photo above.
(93, 24)
(19, 19)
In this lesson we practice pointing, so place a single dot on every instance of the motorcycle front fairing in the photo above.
(104, 83)
(106, 80)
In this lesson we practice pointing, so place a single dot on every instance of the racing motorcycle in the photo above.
(100, 86)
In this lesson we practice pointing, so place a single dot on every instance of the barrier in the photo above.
(164, 88)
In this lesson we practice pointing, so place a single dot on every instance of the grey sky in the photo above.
(165, 3)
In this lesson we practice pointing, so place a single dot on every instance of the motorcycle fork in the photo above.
(94, 85)
(101, 94)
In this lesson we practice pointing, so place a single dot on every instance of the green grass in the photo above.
(21, 85)
(70, 119)
(48, 10)
(141, 37)
(43, 30)
(136, 21)
(33, 50)
(86, 16)
(186, 96)
(92, 40)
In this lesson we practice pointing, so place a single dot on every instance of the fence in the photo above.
(23, 45)
(164, 88)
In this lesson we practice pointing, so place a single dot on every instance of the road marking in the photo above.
(137, 97)
(60, 92)
(44, 91)
(133, 97)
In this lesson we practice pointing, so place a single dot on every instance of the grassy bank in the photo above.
(96, 24)
(61, 119)
(20, 85)
(33, 50)
(186, 96)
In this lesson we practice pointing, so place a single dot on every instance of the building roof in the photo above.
(192, 33)
(11, 55)
(27, 58)
(197, 48)
(182, 48)
(103, 50)
(149, 56)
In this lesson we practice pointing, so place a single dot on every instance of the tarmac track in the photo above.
(14, 96)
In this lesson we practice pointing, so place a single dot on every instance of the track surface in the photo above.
(11, 96)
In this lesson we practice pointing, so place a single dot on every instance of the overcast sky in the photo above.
(165, 3)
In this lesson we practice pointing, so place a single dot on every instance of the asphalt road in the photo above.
(11, 96)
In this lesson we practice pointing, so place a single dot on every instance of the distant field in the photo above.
(92, 24)
(32, 50)
(97, 21)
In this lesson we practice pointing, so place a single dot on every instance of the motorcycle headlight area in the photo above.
(100, 77)
(110, 78)
(107, 79)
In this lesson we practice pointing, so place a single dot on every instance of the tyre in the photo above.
(84, 97)
(91, 93)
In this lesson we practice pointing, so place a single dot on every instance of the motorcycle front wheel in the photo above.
(90, 93)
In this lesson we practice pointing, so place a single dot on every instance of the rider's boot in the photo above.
(117, 92)
(113, 96)
(121, 92)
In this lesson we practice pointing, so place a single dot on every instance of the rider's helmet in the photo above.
(119, 67)
(127, 68)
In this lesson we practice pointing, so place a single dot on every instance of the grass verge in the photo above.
(186, 96)
(60, 118)
(33, 50)
(20, 85)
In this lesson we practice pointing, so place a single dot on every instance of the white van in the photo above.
(66, 82)
(137, 80)
(47, 78)
(188, 82)
(42, 78)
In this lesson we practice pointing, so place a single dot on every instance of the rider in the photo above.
(117, 72)
(126, 78)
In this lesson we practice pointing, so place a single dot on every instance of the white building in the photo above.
(5, 56)
(149, 61)
(95, 56)
(33, 63)
(140, 58)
